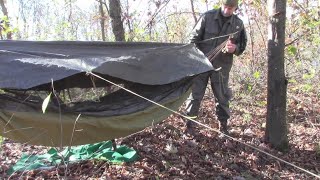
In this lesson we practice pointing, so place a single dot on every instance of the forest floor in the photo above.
(166, 152)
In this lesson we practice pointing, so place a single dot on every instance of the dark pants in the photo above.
(221, 92)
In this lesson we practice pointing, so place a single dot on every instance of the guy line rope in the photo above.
(208, 127)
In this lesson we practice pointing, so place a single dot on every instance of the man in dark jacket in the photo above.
(214, 28)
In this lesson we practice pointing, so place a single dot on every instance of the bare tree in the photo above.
(102, 20)
(5, 23)
(276, 126)
(116, 20)
(129, 22)
(193, 12)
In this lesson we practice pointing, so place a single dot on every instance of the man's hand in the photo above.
(230, 47)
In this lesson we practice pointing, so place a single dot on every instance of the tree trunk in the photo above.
(116, 21)
(102, 21)
(6, 23)
(129, 23)
(193, 12)
(276, 126)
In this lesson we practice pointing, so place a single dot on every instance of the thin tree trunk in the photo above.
(5, 12)
(116, 21)
(130, 27)
(193, 12)
(102, 21)
(318, 13)
(276, 126)
(73, 30)
(1, 28)
(206, 1)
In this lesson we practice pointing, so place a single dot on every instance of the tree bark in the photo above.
(276, 126)
(6, 23)
(116, 21)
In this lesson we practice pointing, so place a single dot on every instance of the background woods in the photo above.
(173, 21)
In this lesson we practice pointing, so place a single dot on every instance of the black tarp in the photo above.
(27, 64)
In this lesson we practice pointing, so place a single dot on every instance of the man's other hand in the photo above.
(230, 47)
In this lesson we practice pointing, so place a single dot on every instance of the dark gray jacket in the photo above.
(209, 26)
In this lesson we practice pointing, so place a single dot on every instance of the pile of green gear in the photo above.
(100, 151)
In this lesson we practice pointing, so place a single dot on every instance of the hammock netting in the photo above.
(30, 70)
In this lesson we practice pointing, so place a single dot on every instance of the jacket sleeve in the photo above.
(241, 42)
(198, 31)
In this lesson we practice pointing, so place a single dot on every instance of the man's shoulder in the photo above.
(238, 20)
(211, 12)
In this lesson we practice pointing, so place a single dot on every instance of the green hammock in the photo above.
(34, 127)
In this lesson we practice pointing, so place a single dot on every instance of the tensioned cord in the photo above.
(206, 126)
(212, 54)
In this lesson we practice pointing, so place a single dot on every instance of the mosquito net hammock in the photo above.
(85, 106)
